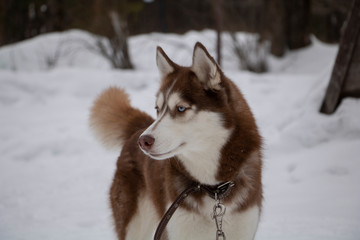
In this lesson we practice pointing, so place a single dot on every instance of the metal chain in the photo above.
(218, 213)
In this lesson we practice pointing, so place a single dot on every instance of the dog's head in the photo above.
(191, 105)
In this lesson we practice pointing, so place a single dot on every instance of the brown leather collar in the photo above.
(217, 192)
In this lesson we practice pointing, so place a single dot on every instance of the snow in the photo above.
(55, 177)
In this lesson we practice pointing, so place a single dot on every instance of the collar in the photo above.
(219, 191)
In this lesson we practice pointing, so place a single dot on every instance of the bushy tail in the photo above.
(114, 120)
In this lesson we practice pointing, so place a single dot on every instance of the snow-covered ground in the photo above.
(54, 176)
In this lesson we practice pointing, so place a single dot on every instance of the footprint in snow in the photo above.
(337, 171)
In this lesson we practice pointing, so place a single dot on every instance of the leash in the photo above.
(217, 192)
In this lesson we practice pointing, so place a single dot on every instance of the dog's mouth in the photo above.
(161, 156)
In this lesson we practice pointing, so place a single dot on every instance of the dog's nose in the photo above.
(146, 142)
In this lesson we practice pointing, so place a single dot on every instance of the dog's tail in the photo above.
(114, 120)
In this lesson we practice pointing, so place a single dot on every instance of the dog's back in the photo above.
(205, 133)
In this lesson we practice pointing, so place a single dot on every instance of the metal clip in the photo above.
(218, 213)
(220, 235)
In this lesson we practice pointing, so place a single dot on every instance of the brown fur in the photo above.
(114, 119)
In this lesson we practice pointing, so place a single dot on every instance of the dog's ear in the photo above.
(206, 68)
(163, 62)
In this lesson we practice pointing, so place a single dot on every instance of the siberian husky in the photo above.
(204, 135)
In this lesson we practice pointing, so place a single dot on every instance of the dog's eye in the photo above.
(181, 109)
(157, 109)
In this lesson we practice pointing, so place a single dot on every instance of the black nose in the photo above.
(146, 142)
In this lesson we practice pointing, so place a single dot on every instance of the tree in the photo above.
(251, 52)
(345, 79)
(286, 24)
(111, 21)
(217, 6)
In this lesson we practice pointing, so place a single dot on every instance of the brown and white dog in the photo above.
(204, 133)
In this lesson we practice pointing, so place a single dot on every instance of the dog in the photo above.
(204, 135)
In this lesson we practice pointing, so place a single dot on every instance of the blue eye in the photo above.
(181, 109)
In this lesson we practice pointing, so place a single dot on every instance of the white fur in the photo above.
(242, 225)
(174, 100)
(160, 101)
(200, 226)
(196, 139)
(206, 69)
(145, 220)
(206, 137)
(163, 65)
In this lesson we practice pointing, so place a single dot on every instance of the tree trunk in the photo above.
(2, 21)
(120, 46)
(217, 6)
(276, 30)
(297, 18)
(344, 82)
(286, 24)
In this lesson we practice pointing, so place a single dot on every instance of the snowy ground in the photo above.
(54, 177)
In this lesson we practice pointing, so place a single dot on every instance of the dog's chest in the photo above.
(187, 224)
(193, 224)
